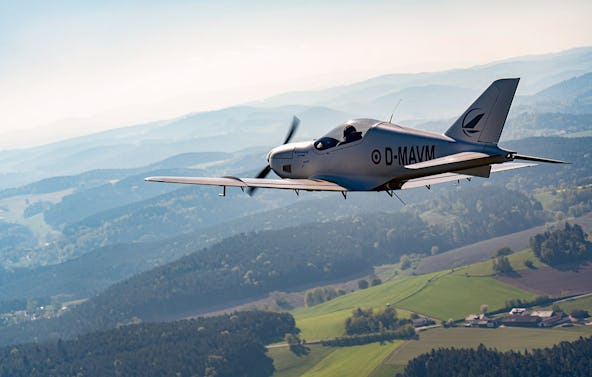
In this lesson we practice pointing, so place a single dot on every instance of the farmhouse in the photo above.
(521, 320)
(481, 320)
(554, 320)
(543, 313)
(423, 321)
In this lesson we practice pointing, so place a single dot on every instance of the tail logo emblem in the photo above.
(471, 120)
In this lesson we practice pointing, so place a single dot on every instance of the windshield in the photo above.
(348, 132)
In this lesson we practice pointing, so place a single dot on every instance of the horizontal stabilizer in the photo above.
(451, 177)
(538, 159)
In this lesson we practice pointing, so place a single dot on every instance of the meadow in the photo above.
(441, 295)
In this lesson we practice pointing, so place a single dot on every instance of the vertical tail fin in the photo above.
(484, 120)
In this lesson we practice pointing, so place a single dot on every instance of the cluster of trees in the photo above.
(228, 345)
(363, 283)
(404, 332)
(321, 294)
(565, 359)
(366, 321)
(502, 265)
(565, 245)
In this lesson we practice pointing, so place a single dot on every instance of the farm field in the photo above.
(329, 361)
(289, 365)
(378, 296)
(456, 296)
(376, 360)
(324, 326)
(353, 361)
(441, 295)
(584, 303)
(553, 281)
(503, 339)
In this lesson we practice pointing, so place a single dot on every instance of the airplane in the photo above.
(374, 155)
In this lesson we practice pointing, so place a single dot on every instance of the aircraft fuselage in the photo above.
(382, 153)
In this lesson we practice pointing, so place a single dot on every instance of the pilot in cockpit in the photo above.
(350, 134)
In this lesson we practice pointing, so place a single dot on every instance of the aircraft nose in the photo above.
(280, 159)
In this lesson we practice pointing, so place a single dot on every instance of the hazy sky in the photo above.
(67, 67)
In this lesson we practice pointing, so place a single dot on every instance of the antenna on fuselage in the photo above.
(395, 109)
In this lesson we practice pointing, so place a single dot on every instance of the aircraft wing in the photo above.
(449, 177)
(288, 184)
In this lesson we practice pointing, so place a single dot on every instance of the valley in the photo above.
(88, 250)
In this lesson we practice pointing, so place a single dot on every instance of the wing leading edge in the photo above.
(287, 184)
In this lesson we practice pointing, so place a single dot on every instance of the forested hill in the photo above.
(196, 209)
(248, 265)
(228, 345)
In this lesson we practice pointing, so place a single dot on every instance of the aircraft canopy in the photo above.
(348, 132)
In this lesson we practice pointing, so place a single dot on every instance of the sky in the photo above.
(69, 68)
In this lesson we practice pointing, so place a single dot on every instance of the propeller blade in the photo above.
(262, 174)
(293, 127)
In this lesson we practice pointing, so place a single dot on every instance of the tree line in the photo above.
(564, 359)
(365, 321)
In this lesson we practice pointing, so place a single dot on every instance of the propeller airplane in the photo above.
(373, 155)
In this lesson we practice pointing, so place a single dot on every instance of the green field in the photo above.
(441, 295)
(329, 361)
(456, 296)
(377, 297)
(438, 295)
(584, 303)
(323, 326)
(289, 365)
(353, 361)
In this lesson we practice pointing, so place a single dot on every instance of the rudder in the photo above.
(484, 120)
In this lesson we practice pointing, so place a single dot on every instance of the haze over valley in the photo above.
(88, 250)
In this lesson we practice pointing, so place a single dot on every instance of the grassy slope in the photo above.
(457, 296)
(289, 365)
(584, 303)
(323, 326)
(378, 296)
(353, 361)
(441, 295)
(486, 268)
